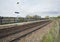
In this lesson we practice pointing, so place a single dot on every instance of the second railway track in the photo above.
(15, 33)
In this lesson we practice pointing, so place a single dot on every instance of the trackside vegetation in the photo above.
(52, 35)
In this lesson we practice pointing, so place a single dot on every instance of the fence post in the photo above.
(1, 20)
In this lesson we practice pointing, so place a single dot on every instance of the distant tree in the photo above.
(58, 16)
(47, 17)
(28, 16)
(36, 17)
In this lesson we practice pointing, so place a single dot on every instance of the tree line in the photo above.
(39, 17)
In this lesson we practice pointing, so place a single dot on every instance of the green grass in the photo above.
(52, 35)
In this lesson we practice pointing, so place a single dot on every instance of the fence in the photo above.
(8, 20)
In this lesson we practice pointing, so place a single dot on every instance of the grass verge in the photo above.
(52, 34)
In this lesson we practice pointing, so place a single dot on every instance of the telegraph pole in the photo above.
(17, 12)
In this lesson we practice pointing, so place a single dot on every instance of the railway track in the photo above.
(15, 33)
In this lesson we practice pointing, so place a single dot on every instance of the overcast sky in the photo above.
(30, 7)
